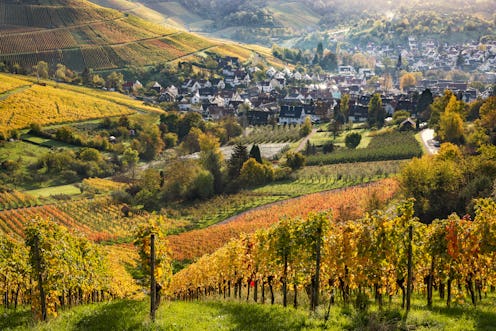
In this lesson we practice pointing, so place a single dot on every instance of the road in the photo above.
(428, 140)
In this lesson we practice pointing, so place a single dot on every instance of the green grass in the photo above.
(239, 315)
(55, 190)
(46, 142)
(18, 149)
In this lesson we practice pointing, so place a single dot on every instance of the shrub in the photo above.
(352, 140)
(295, 160)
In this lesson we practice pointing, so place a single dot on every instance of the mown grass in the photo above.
(55, 190)
(237, 315)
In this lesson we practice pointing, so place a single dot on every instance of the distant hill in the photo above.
(81, 35)
(290, 22)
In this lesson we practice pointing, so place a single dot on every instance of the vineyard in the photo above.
(98, 219)
(330, 257)
(11, 83)
(15, 199)
(50, 105)
(269, 134)
(389, 146)
(346, 204)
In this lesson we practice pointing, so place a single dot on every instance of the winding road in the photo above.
(427, 136)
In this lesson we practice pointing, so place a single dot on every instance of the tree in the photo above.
(60, 72)
(344, 107)
(320, 50)
(255, 153)
(352, 140)
(238, 157)
(253, 173)
(295, 160)
(451, 127)
(130, 159)
(425, 100)
(376, 113)
(451, 121)
(211, 159)
(407, 80)
(41, 70)
(306, 128)
(115, 80)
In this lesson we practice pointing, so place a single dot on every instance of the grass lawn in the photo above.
(55, 190)
(238, 315)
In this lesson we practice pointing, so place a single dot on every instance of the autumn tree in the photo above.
(41, 70)
(451, 122)
(407, 80)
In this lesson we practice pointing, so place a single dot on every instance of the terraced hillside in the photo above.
(81, 35)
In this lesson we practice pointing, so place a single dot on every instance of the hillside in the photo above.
(80, 34)
(23, 101)
(283, 22)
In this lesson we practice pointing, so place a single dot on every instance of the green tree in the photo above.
(238, 157)
(352, 140)
(376, 113)
(115, 80)
(211, 159)
(130, 159)
(423, 104)
(255, 153)
(295, 160)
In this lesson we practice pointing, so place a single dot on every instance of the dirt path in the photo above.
(303, 143)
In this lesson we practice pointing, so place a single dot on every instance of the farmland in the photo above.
(51, 104)
(388, 146)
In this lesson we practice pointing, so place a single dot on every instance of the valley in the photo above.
(342, 179)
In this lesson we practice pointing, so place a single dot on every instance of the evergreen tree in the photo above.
(425, 100)
(255, 153)
(238, 157)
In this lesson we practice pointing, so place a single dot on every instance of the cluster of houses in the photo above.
(288, 97)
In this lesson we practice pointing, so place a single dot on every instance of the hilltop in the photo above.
(80, 34)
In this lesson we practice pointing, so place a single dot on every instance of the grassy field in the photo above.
(55, 190)
(236, 315)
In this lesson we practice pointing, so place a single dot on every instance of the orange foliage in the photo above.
(346, 204)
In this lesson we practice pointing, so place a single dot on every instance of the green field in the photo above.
(238, 315)
(55, 190)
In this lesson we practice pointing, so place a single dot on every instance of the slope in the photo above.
(23, 101)
(81, 35)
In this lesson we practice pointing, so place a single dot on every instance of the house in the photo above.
(292, 114)
(358, 113)
(407, 125)
(258, 117)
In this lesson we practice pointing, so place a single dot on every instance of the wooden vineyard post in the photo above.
(40, 279)
(153, 288)
(409, 277)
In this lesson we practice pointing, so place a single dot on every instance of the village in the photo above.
(270, 96)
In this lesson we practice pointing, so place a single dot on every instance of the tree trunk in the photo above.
(430, 282)
(255, 291)
(271, 289)
(315, 287)
(295, 301)
(448, 296)
(263, 291)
